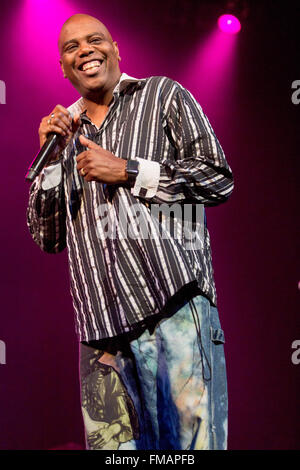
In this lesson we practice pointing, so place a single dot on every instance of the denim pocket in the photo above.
(217, 335)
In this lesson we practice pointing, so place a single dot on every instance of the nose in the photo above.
(85, 50)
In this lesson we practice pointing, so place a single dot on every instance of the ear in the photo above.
(116, 49)
(62, 68)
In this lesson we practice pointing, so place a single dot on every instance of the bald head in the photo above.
(75, 21)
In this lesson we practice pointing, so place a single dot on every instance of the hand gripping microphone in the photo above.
(43, 156)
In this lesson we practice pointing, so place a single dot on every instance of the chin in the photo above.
(93, 87)
(84, 88)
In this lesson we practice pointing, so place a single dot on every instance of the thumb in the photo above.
(76, 121)
(88, 143)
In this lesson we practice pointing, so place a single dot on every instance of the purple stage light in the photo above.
(229, 24)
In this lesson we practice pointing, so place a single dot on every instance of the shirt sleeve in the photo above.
(147, 180)
(46, 212)
(199, 172)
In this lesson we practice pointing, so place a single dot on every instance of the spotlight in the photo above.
(229, 24)
(234, 13)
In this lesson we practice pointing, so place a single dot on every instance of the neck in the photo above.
(96, 111)
(99, 100)
(93, 108)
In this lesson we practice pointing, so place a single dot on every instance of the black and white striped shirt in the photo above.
(118, 281)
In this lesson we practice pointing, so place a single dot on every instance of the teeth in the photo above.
(90, 65)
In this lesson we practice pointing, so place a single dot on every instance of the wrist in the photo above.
(132, 171)
(123, 175)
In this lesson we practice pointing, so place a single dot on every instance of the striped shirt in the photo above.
(125, 263)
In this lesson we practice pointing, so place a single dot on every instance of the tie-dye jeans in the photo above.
(163, 390)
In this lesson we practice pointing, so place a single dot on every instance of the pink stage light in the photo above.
(229, 24)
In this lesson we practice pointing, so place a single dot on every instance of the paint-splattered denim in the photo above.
(167, 390)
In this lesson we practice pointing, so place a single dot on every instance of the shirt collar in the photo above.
(123, 83)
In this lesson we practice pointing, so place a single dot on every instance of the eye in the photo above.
(97, 40)
(70, 48)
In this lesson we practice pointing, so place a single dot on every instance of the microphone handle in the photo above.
(42, 157)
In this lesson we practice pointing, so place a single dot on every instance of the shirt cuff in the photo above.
(51, 176)
(147, 180)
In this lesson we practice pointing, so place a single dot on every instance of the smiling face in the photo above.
(89, 57)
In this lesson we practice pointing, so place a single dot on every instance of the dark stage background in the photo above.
(244, 84)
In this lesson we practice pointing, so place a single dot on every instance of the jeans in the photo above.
(163, 390)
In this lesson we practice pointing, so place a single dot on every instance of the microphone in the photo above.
(43, 156)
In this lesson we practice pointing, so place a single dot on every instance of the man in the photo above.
(108, 411)
(142, 286)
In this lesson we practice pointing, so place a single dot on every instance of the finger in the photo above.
(81, 165)
(62, 123)
(81, 156)
(88, 143)
(61, 109)
(88, 177)
(56, 129)
(67, 120)
(76, 123)
(61, 113)
(100, 442)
